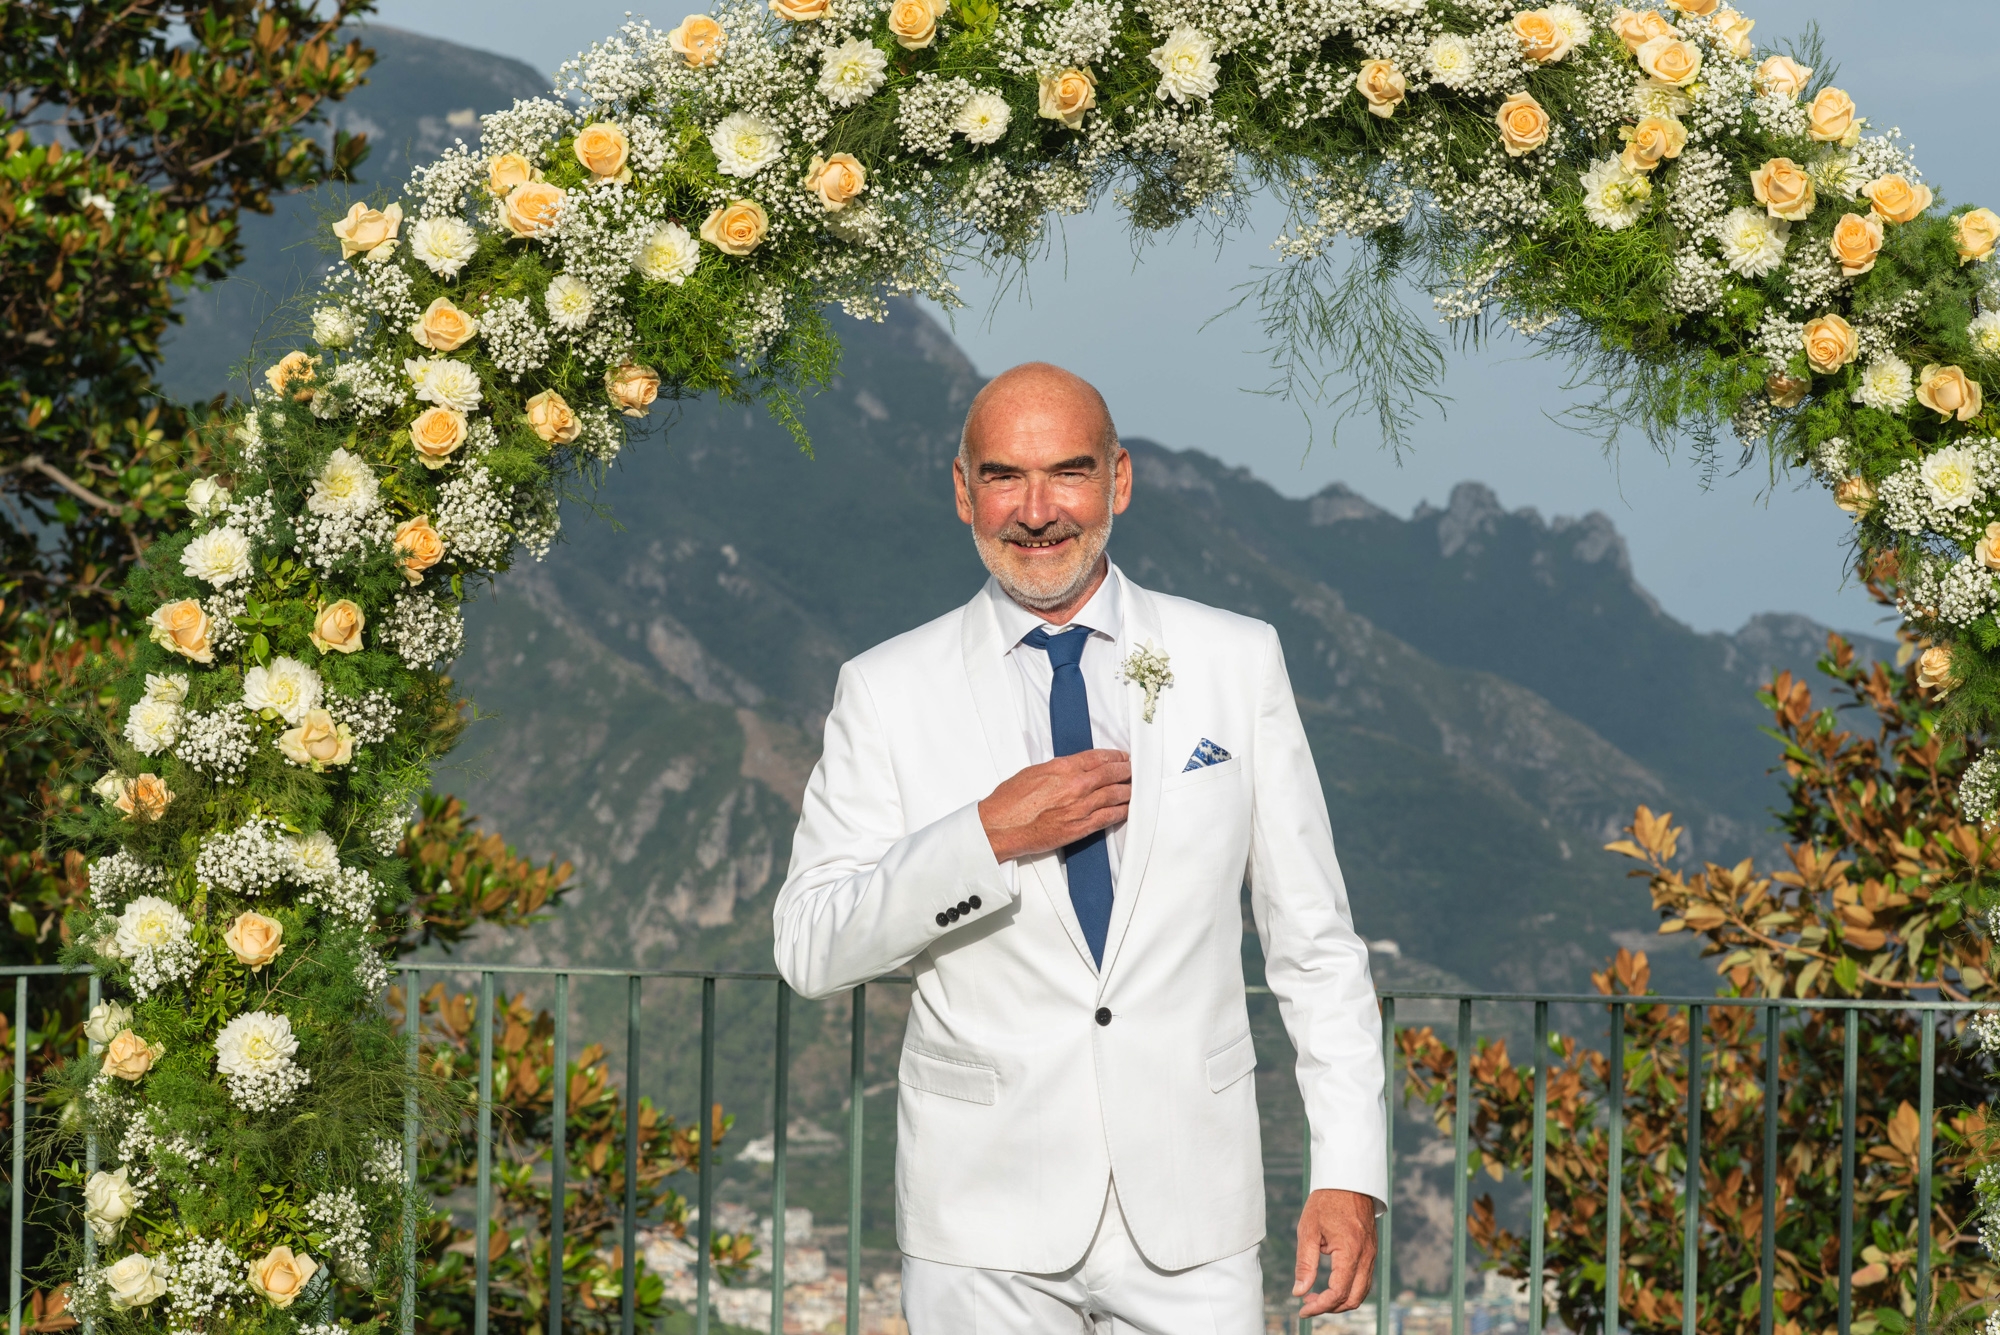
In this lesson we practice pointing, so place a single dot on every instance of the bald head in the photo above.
(1065, 401)
(1039, 477)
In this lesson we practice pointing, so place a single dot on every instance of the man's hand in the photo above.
(1048, 806)
(1340, 1225)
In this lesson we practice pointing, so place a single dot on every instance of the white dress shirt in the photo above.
(1110, 728)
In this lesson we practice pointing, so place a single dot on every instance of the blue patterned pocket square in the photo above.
(1208, 753)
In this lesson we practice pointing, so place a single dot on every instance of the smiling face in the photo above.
(1039, 478)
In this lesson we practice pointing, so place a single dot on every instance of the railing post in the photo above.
(412, 1025)
(705, 1181)
(559, 1156)
(1851, 1039)
(1538, 1199)
(20, 1158)
(1385, 1246)
(90, 1164)
(628, 1311)
(1304, 1324)
(1691, 1190)
(482, 1225)
(1767, 1291)
(781, 1098)
(1614, 1173)
(1461, 1140)
(1926, 1095)
(857, 1073)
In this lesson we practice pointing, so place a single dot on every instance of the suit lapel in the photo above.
(1142, 624)
(993, 693)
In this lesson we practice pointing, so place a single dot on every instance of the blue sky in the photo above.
(1714, 549)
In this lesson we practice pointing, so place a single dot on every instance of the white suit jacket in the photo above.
(1028, 1075)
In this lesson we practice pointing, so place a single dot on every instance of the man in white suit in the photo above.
(1053, 838)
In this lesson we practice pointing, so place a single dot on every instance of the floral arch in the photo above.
(1702, 221)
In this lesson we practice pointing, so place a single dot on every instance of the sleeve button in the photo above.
(974, 901)
(943, 920)
(965, 906)
(952, 914)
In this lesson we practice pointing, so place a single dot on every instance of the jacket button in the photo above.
(952, 915)
(1104, 1015)
(965, 906)
(944, 920)
(974, 901)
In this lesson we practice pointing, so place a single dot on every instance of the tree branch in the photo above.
(36, 463)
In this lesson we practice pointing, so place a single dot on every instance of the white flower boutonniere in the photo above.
(1147, 668)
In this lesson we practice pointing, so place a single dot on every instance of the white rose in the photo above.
(334, 326)
(444, 245)
(171, 687)
(286, 687)
(107, 1020)
(108, 1201)
(220, 556)
(983, 118)
(668, 254)
(206, 498)
(136, 1281)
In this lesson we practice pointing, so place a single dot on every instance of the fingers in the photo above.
(1308, 1262)
(1364, 1279)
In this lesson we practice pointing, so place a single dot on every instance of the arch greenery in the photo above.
(1707, 225)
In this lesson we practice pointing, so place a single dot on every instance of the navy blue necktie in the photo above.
(1087, 860)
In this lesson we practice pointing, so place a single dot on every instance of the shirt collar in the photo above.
(1104, 613)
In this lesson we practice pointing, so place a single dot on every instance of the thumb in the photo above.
(1308, 1265)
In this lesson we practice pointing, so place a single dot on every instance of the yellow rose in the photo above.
(1831, 343)
(337, 627)
(294, 368)
(1653, 140)
(1988, 548)
(1784, 189)
(1896, 200)
(1700, 9)
(531, 208)
(183, 628)
(1786, 391)
(1934, 669)
(145, 798)
(129, 1056)
(508, 171)
(1734, 31)
(443, 327)
(550, 416)
(632, 388)
(602, 149)
(1945, 390)
(1855, 242)
(737, 228)
(1635, 28)
(1670, 61)
(1977, 232)
(1855, 495)
(1830, 118)
(838, 179)
(436, 435)
(1067, 95)
(254, 939)
(799, 11)
(318, 741)
(1783, 76)
(1543, 40)
(369, 233)
(421, 545)
(913, 23)
(1381, 86)
(1524, 126)
(279, 1277)
(698, 40)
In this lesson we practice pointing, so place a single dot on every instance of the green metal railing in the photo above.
(1696, 1007)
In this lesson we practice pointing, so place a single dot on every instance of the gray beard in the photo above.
(1092, 542)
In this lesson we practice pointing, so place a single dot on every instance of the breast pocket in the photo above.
(1228, 770)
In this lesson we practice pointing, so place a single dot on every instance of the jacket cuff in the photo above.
(979, 884)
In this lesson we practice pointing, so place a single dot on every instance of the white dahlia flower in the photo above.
(442, 381)
(1614, 197)
(153, 725)
(149, 923)
(345, 486)
(1186, 62)
(171, 687)
(286, 687)
(444, 244)
(983, 118)
(1451, 60)
(1951, 476)
(745, 144)
(220, 556)
(668, 254)
(1984, 331)
(315, 857)
(849, 76)
(255, 1043)
(1572, 22)
(1752, 241)
(1885, 384)
(569, 302)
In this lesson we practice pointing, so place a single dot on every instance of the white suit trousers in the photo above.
(1113, 1290)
